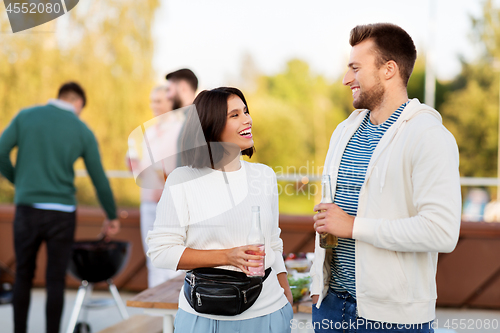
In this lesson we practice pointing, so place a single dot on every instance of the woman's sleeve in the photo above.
(276, 242)
(166, 241)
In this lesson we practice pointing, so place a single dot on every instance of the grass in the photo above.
(297, 199)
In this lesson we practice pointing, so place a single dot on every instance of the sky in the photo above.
(212, 37)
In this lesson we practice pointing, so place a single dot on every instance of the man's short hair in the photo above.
(72, 87)
(392, 42)
(186, 75)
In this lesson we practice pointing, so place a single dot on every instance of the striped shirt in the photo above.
(351, 177)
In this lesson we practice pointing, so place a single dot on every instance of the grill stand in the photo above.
(83, 301)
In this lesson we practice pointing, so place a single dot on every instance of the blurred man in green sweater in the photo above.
(50, 138)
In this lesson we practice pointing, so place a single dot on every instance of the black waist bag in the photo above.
(220, 291)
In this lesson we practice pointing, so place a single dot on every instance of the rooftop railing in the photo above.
(464, 181)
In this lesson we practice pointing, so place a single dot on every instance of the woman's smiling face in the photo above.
(238, 128)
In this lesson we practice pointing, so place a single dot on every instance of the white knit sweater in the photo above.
(206, 209)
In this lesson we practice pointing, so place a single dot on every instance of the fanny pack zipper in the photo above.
(192, 285)
(245, 293)
(198, 297)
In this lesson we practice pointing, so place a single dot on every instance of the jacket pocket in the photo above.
(419, 269)
(379, 275)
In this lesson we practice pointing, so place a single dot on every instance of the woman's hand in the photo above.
(283, 280)
(239, 257)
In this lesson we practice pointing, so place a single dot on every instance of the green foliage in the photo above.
(471, 107)
(473, 119)
(416, 84)
(294, 114)
(298, 199)
(107, 47)
(299, 286)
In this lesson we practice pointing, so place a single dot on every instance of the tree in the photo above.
(112, 64)
(470, 110)
(295, 113)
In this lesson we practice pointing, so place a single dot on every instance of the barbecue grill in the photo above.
(5, 288)
(93, 262)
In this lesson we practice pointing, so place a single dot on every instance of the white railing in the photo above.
(110, 173)
(464, 181)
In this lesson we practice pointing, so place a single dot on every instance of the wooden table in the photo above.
(304, 306)
(161, 300)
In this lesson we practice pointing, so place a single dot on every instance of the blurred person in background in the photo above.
(397, 201)
(166, 103)
(182, 87)
(475, 204)
(162, 134)
(50, 138)
(492, 211)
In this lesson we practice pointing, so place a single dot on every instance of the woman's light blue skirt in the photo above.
(276, 322)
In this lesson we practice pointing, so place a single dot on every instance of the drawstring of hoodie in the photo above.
(386, 163)
(335, 152)
(345, 127)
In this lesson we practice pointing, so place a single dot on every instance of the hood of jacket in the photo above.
(351, 124)
(413, 108)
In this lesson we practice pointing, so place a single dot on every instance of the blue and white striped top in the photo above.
(351, 177)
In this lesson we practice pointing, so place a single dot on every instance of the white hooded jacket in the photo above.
(409, 210)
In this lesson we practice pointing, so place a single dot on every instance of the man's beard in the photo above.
(176, 102)
(370, 99)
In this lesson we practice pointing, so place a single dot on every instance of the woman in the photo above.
(204, 215)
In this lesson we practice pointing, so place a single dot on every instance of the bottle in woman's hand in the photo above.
(256, 238)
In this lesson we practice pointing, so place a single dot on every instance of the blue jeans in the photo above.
(275, 322)
(337, 313)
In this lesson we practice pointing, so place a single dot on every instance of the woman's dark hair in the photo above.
(204, 126)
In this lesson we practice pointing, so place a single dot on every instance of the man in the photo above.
(397, 197)
(182, 87)
(162, 136)
(162, 133)
(50, 138)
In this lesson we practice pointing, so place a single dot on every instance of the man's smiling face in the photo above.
(363, 76)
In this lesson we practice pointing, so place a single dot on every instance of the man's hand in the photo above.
(110, 228)
(333, 220)
(315, 298)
